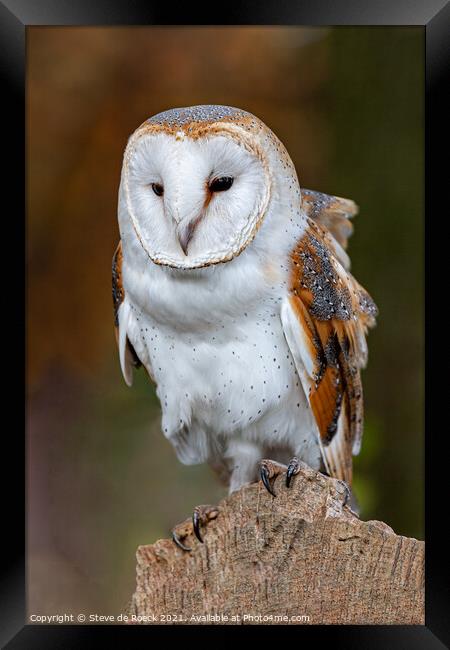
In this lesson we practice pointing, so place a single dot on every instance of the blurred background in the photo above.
(348, 105)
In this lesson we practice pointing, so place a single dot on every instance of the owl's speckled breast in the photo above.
(227, 381)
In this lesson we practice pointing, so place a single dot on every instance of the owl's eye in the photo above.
(221, 184)
(158, 189)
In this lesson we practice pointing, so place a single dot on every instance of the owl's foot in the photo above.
(348, 492)
(200, 517)
(268, 471)
(180, 532)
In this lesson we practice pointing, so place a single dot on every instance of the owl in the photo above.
(231, 287)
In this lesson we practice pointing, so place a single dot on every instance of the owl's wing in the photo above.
(325, 320)
(127, 354)
(334, 213)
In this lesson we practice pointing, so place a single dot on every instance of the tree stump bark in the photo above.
(302, 557)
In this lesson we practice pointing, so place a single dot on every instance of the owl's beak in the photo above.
(185, 233)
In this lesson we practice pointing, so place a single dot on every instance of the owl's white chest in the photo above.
(223, 369)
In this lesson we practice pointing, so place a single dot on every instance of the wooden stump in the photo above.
(299, 558)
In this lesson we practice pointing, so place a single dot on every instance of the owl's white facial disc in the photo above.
(195, 201)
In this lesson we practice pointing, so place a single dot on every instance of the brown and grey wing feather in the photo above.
(333, 213)
(118, 295)
(326, 318)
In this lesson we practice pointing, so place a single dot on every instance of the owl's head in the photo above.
(197, 184)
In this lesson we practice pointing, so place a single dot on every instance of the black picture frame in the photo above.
(15, 17)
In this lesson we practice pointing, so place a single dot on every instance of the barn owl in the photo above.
(231, 286)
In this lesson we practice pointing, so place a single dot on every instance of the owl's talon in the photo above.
(201, 516)
(179, 543)
(293, 469)
(347, 493)
(270, 469)
(180, 532)
(196, 525)
(264, 473)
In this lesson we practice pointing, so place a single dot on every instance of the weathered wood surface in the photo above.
(299, 554)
